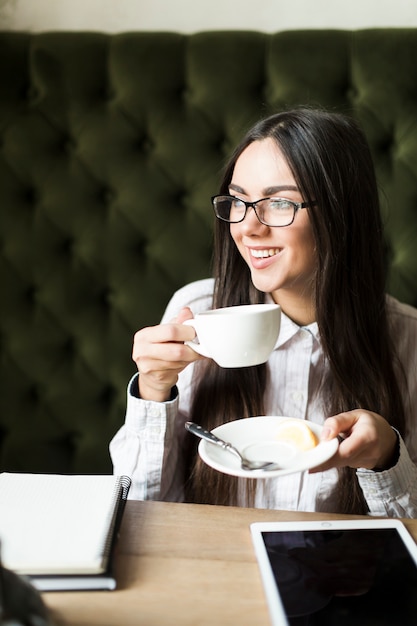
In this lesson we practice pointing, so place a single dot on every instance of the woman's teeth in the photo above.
(263, 254)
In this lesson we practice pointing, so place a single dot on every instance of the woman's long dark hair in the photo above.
(332, 166)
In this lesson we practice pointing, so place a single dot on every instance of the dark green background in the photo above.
(110, 148)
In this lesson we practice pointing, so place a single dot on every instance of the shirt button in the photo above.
(297, 396)
(154, 411)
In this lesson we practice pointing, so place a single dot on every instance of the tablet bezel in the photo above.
(273, 598)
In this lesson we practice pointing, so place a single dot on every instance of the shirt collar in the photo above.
(289, 328)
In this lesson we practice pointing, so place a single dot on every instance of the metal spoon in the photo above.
(245, 463)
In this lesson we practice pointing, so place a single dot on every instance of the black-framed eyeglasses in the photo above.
(269, 211)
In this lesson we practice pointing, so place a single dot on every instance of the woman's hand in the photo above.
(160, 355)
(367, 441)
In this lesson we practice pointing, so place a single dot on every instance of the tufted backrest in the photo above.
(110, 148)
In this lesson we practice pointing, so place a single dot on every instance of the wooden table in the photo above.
(181, 564)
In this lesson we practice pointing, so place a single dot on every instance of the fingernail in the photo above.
(326, 434)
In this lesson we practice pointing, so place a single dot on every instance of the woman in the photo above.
(346, 356)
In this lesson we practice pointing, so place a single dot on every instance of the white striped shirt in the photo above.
(148, 447)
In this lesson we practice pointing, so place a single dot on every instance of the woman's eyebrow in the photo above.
(268, 191)
(236, 188)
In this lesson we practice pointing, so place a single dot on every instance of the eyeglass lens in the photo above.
(271, 211)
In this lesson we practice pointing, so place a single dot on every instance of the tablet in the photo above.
(338, 573)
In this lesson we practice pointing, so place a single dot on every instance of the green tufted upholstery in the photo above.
(110, 148)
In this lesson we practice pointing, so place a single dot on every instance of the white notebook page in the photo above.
(56, 524)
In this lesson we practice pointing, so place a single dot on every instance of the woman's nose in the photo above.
(251, 221)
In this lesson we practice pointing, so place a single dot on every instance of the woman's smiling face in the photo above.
(282, 260)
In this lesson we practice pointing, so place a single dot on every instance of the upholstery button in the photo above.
(107, 395)
(108, 93)
(185, 94)
(106, 297)
(31, 195)
(107, 195)
(351, 93)
(33, 394)
(69, 347)
(67, 246)
(31, 292)
(32, 94)
(68, 145)
(145, 145)
(181, 199)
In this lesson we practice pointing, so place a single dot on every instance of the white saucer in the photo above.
(256, 438)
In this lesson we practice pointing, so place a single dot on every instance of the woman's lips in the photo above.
(261, 258)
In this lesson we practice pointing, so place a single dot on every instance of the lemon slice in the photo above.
(298, 433)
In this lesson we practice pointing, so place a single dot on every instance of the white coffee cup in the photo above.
(237, 336)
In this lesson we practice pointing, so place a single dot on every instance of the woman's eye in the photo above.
(279, 205)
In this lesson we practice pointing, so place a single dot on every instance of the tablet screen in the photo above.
(340, 577)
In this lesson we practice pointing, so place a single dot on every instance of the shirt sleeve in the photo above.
(391, 493)
(147, 449)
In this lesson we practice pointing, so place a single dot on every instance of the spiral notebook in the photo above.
(60, 530)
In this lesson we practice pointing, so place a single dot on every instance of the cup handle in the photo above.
(197, 347)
